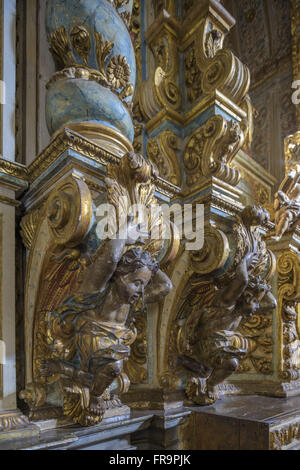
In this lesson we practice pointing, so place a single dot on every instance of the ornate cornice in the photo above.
(13, 169)
(68, 140)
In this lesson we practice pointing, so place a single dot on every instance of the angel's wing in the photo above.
(198, 295)
(63, 272)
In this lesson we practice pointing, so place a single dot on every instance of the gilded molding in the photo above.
(284, 436)
(202, 292)
(12, 420)
(66, 282)
(13, 169)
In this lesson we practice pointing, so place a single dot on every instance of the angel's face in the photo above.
(250, 303)
(131, 286)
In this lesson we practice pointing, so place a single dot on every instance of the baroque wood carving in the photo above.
(213, 329)
(91, 293)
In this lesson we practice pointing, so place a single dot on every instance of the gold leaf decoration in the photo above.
(103, 49)
(60, 47)
(118, 72)
(81, 42)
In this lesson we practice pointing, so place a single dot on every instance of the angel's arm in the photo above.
(160, 286)
(230, 294)
(100, 272)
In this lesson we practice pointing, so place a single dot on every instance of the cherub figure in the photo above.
(210, 345)
(287, 204)
(89, 332)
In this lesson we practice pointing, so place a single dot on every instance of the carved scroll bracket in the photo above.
(211, 149)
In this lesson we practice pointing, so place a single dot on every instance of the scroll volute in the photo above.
(69, 212)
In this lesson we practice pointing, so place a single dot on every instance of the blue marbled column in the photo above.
(82, 91)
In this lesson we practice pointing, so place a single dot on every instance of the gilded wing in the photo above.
(198, 295)
(63, 272)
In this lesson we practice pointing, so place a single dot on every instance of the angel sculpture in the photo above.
(287, 204)
(90, 291)
(89, 332)
(209, 342)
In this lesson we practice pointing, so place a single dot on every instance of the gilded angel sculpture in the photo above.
(210, 344)
(90, 292)
(89, 330)
(287, 204)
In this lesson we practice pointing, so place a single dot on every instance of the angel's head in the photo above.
(251, 299)
(133, 274)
